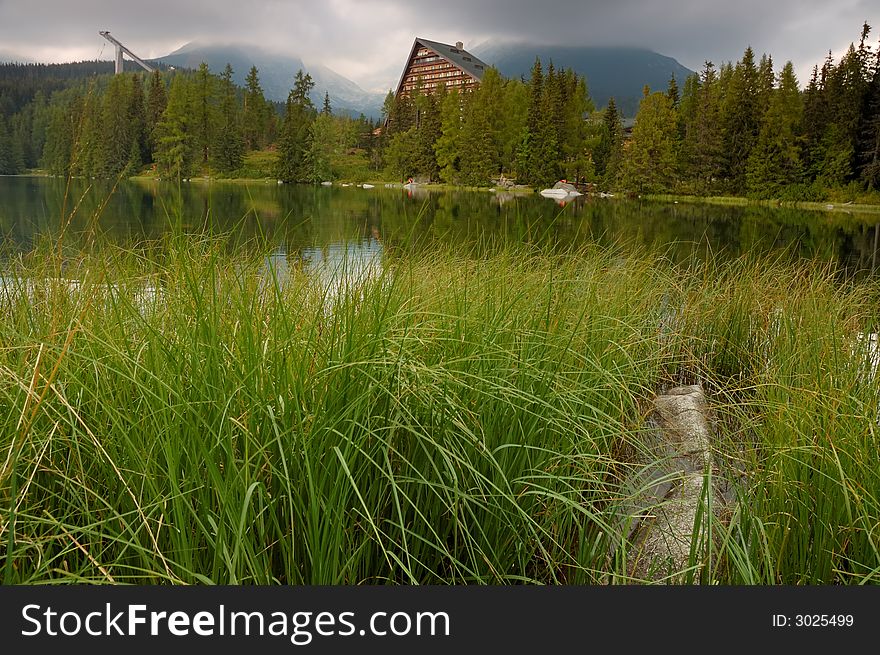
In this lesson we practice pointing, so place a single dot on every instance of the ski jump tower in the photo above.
(120, 49)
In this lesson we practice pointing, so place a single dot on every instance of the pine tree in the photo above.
(294, 133)
(845, 87)
(204, 119)
(650, 156)
(536, 96)
(814, 123)
(740, 118)
(7, 165)
(137, 126)
(672, 91)
(321, 146)
(576, 162)
(869, 134)
(19, 139)
(766, 79)
(447, 148)
(428, 130)
(63, 118)
(157, 100)
(114, 136)
(39, 126)
(326, 110)
(229, 146)
(542, 143)
(775, 161)
(256, 113)
(702, 147)
(88, 153)
(610, 140)
(177, 151)
(479, 160)
(511, 115)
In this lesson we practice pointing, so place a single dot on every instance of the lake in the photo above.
(316, 222)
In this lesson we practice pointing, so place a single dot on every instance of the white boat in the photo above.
(326, 183)
(367, 186)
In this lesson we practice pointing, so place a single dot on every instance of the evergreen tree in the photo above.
(542, 142)
(775, 161)
(204, 119)
(703, 148)
(536, 96)
(740, 118)
(650, 156)
(447, 148)
(576, 161)
(869, 134)
(322, 145)
(326, 110)
(687, 105)
(177, 152)
(672, 91)
(766, 79)
(88, 154)
(157, 99)
(137, 126)
(298, 116)
(606, 157)
(256, 114)
(19, 138)
(61, 128)
(7, 164)
(229, 148)
(814, 123)
(39, 124)
(844, 89)
(400, 154)
(388, 106)
(478, 156)
(511, 116)
(427, 132)
(114, 136)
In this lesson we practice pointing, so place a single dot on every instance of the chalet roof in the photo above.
(459, 57)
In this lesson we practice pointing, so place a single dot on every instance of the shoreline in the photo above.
(738, 201)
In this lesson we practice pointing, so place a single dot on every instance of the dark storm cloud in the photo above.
(367, 40)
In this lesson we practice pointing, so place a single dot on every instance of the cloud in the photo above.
(366, 40)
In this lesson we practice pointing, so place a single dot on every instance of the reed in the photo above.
(188, 412)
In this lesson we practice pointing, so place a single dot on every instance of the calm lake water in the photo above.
(321, 223)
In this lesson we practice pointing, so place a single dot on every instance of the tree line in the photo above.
(749, 129)
(745, 128)
(178, 123)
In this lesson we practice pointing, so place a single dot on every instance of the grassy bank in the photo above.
(832, 205)
(187, 414)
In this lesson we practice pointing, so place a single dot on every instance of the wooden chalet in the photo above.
(431, 63)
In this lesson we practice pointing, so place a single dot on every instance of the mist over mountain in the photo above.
(8, 57)
(277, 73)
(619, 72)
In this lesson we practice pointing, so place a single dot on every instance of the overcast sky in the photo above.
(367, 40)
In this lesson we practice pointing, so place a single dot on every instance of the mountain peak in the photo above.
(618, 71)
(277, 72)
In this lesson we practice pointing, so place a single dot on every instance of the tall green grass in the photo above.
(185, 413)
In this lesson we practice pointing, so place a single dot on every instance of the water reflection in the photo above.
(314, 223)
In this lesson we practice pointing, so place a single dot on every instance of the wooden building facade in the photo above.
(431, 63)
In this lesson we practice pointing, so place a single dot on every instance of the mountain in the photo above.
(277, 73)
(619, 72)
